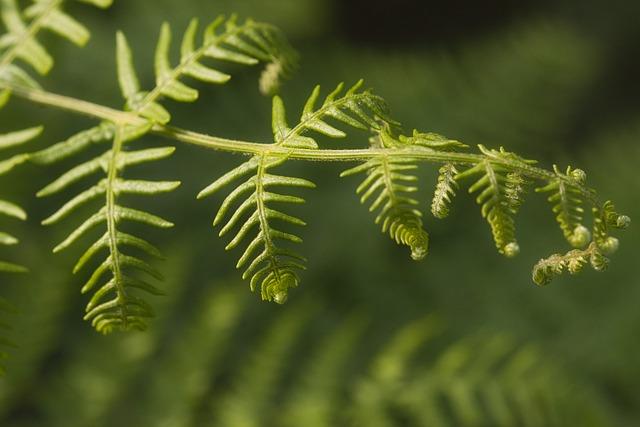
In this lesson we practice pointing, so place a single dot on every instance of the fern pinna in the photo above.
(398, 212)
(276, 269)
(247, 44)
(124, 310)
(498, 196)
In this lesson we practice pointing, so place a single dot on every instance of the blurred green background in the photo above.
(370, 338)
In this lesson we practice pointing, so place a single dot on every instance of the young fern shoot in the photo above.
(398, 212)
(498, 197)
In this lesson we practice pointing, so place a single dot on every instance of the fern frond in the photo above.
(573, 261)
(398, 215)
(267, 264)
(248, 43)
(500, 196)
(490, 383)
(445, 190)
(313, 399)
(250, 395)
(604, 218)
(356, 108)
(21, 39)
(567, 203)
(124, 310)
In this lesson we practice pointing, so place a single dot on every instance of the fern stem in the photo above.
(32, 29)
(417, 153)
(112, 224)
(269, 246)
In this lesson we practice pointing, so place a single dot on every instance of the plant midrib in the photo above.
(90, 109)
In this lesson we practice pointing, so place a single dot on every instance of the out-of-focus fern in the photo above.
(21, 42)
(125, 361)
(8, 141)
(247, 401)
(473, 382)
(415, 374)
(313, 399)
(4, 342)
(8, 209)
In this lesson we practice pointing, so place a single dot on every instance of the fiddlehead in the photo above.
(21, 39)
(445, 190)
(567, 203)
(500, 196)
(224, 40)
(595, 254)
(388, 180)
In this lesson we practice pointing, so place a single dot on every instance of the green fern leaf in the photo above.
(499, 198)
(355, 108)
(11, 74)
(573, 261)
(397, 211)
(21, 41)
(125, 310)
(432, 140)
(274, 268)
(604, 218)
(445, 190)
(248, 44)
(567, 203)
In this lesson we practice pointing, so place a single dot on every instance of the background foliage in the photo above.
(549, 80)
